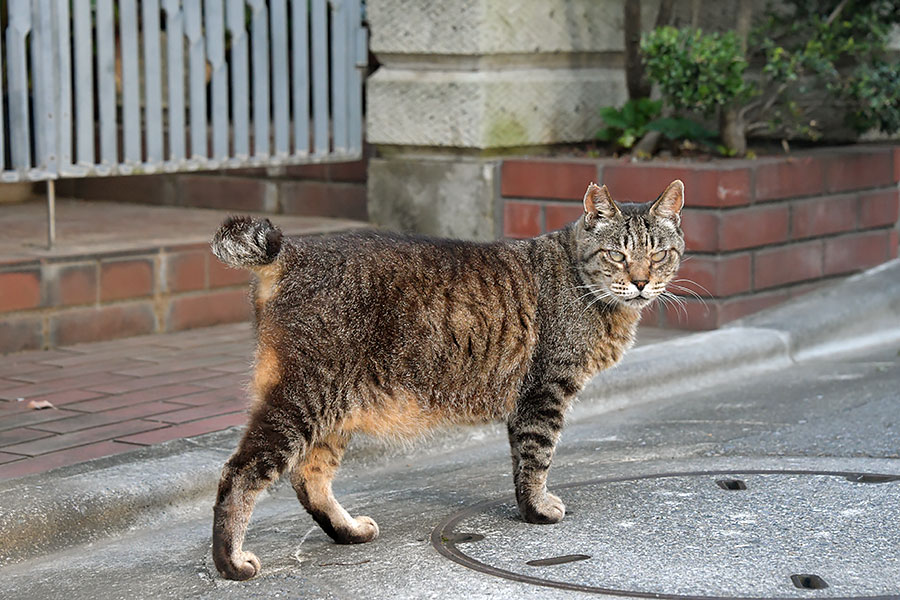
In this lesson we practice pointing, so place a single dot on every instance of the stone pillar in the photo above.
(463, 82)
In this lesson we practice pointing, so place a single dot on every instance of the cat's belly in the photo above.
(405, 414)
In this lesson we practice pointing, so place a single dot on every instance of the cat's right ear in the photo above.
(598, 204)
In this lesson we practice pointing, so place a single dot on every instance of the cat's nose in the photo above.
(639, 284)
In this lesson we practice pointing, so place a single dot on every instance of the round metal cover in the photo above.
(714, 534)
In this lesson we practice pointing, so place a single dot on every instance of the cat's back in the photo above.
(450, 321)
(363, 263)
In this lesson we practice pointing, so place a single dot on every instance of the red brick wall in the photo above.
(324, 190)
(57, 302)
(758, 232)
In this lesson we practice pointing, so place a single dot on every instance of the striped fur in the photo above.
(392, 335)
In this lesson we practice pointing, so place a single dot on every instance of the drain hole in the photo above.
(557, 560)
(462, 538)
(863, 478)
(731, 484)
(809, 582)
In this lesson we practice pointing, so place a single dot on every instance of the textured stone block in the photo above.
(449, 198)
(479, 27)
(489, 109)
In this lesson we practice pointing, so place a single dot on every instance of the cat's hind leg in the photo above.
(534, 430)
(265, 451)
(312, 477)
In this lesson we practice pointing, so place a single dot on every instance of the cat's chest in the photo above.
(607, 343)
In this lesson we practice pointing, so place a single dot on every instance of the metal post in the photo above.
(51, 213)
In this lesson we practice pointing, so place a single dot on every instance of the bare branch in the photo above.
(744, 20)
(664, 15)
(635, 80)
(836, 12)
(696, 5)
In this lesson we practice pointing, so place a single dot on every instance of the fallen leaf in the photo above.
(40, 404)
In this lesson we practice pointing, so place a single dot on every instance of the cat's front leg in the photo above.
(533, 433)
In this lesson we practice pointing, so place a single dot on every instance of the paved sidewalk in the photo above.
(111, 397)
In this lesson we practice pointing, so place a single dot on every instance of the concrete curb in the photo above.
(51, 511)
(860, 311)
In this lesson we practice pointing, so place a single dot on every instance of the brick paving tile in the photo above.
(53, 373)
(187, 429)
(77, 359)
(170, 366)
(13, 367)
(31, 417)
(240, 366)
(66, 397)
(90, 381)
(62, 458)
(131, 384)
(148, 395)
(6, 457)
(81, 438)
(20, 435)
(210, 396)
(112, 396)
(238, 380)
(199, 412)
(120, 344)
(135, 411)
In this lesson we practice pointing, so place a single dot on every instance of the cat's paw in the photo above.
(549, 509)
(364, 529)
(244, 566)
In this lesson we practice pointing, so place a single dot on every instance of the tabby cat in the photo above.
(391, 335)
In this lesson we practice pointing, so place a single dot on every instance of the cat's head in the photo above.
(629, 252)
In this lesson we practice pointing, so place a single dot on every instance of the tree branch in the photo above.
(635, 81)
(664, 15)
(836, 12)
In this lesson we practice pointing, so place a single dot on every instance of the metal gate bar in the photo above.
(120, 87)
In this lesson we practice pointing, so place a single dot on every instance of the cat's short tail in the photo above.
(246, 242)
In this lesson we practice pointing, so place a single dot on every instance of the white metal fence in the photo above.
(97, 87)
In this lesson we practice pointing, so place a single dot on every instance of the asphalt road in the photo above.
(650, 511)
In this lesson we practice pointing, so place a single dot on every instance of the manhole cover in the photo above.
(713, 534)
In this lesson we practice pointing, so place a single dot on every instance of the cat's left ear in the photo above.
(670, 202)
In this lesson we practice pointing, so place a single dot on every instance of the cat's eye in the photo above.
(659, 256)
(615, 255)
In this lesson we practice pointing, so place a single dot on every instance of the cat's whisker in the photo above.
(677, 302)
(684, 280)
(691, 292)
(583, 296)
(595, 301)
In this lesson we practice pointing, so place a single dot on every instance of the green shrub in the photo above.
(696, 71)
(626, 125)
(835, 47)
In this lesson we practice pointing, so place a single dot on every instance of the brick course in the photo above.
(758, 232)
(126, 278)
